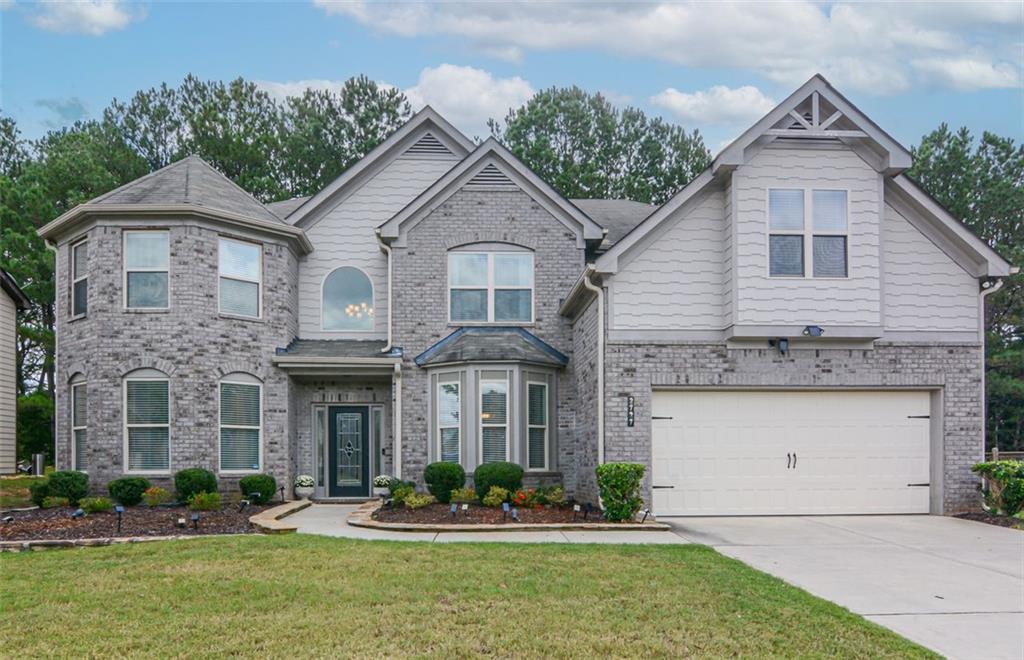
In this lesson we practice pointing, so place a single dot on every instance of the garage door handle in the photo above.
(662, 486)
(794, 460)
(917, 485)
(789, 461)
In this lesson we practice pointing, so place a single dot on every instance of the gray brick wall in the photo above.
(420, 313)
(191, 343)
(585, 337)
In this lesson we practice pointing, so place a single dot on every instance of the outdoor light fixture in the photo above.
(646, 513)
(282, 493)
(8, 519)
(78, 513)
(181, 522)
(120, 512)
(256, 497)
(242, 505)
(515, 515)
(814, 331)
(195, 521)
(781, 343)
(455, 509)
(504, 510)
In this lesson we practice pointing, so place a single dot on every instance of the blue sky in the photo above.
(712, 66)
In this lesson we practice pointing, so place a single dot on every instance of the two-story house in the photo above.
(798, 330)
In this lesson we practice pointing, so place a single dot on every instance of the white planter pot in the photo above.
(381, 491)
(303, 492)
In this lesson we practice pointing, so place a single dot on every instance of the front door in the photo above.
(349, 451)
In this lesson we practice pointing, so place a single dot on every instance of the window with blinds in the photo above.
(449, 428)
(80, 279)
(240, 417)
(79, 436)
(794, 242)
(537, 426)
(147, 425)
(493, 419)
(146, 268)
(241, 271)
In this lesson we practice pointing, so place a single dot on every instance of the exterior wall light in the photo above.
(813, 331)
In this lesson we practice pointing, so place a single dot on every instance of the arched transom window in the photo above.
(347, 300)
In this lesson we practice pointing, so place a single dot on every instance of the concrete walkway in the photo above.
(329, 520)
(952, 585)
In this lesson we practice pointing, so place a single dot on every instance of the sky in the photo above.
(712, 66)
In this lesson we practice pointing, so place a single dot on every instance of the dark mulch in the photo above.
(57, 523)
(440, 514)
(999, 521)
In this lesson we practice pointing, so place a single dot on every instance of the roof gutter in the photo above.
(590, 286)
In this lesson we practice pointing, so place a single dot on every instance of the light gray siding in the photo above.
(8, 384)
(925, 290)
(345, 237)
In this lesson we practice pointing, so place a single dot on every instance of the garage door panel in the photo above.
(729, 452)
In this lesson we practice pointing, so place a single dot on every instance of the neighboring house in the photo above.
(799, 330)
(11, 300)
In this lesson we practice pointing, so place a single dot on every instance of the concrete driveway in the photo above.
(952, 585)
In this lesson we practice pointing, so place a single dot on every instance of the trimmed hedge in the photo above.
(190, 481)
(619, 486)
(506, 475)
(442, 478)
(263, 484)
(39, 492)
(68, 483)
(128, 490)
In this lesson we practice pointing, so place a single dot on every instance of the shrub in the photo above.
(204, 501)
(527, 498)
(68, 483)
(155, 496)
(263, 484)
(52, 502)
(619, 486)
(396, 483)
(442, 478)
(39, 491)
(399, 494)
(1005, 493)
(555, 496)
(128, 490)
(464, 496)
(190, 481)
(496, 496)
(418, 500)
(506, 475)
(96, 504)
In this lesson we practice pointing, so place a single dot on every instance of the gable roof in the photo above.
(492, 344)
(487, 165)
(8, 284)
(285, 207)
(617, 216)
(427, 119)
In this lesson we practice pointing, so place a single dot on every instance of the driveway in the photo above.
(952, 585)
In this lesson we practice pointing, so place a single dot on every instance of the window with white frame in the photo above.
(493, 417)
(79, 423)
(147, 422)
(241, 274)
(80, 278)
(536, 425)
(146, 268)
(490, 287)
(241, 414)
(449, 420)
(793, 242)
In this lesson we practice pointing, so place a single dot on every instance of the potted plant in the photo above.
(381, 485)
(304, 486)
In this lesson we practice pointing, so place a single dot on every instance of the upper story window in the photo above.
(146, 267)
(241, 414)
(80, 278)
(794, 242)
(347, 302)
(147, 422)
(490, 287)
(241, 275)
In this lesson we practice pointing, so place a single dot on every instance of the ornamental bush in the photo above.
(496, 496)
(400, 494)
(619, 486)
(506, 475)
(204, 501)
(395, 484)
(418, 500)
(464, 496)
(262, 485)
(39, 491)
(442, 478)
(96, 504)
(53, 502)
(128, 490)
(190, 481)
(68, 483)
(1005, 492)
(155, 496)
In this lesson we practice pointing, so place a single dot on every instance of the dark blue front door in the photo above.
(349, 446)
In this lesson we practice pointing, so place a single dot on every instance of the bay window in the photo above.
(536, 425)
(493, 417)
(490, 287)
(147, 422)
(449, 418)
(146, 268)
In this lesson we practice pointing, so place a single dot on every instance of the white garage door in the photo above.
(790, 452)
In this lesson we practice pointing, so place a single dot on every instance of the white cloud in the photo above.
(468, 97)
(281, 90)
(967, 73)
(867, 46)
(719, 105)
(92, 17)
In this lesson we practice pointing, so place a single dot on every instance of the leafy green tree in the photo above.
(585, 147)
(35, 427)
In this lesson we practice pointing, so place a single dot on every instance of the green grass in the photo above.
(306, 596)
(14, 491)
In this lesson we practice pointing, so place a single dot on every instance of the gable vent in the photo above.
(490, 176)
(428, 145)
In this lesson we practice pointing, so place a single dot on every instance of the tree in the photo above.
(585, 147)
(983, 185)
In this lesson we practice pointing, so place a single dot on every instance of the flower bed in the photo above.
(440, 514)
(58, 524)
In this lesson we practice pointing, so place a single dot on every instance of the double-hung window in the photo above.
(80, 278)
(449, 417)
(79, 414)
(147, 424)
(793, 241)
(536, 425)
(493, 417)
(490, 287)
(146, 267)
(241, 270)
(240, 424)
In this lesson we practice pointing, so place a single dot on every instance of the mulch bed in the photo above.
(440, 514)
(57, 523)
(988, 518)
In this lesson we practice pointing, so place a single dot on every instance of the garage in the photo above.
(790, 452)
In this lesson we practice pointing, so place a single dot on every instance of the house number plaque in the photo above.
(630, 411)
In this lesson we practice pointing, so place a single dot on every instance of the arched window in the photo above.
(347, 302)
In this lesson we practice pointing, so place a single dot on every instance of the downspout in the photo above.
(985, 293)
(590, 286)
(386, 249)
(51, 245)
(396, 378)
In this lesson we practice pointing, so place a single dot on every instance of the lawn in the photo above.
(14, 491)
(306, 596)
